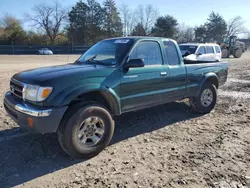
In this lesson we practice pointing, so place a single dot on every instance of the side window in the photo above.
(149, 51)
(217, 49)
(210, 49)
(172, 53)
(201, 50)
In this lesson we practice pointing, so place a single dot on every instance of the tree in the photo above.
(138, 31)
(200, 31)
(50, 18)
(78, 23)
(86, 22)
(185, 33)
(113, 25)
(34, 38)
(127, 17)
(146, 16)
(95, 21)
(216, 27)
(236, 26)
(165, 26)
(11, 31)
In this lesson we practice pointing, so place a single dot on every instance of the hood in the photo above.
(62, 73)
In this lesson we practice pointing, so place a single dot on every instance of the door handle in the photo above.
(164, 73)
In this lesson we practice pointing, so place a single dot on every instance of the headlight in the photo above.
(36, 93)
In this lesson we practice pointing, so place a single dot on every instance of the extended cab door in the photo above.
(143, 87)
(175, 81)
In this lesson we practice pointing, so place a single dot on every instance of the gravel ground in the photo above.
(165, 146)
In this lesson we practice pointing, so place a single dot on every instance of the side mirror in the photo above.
(198, 54)
(134, 63)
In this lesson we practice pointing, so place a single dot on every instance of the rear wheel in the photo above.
(237, 53)
(86, 130)
(206, 100)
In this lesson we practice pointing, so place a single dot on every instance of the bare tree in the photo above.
(50, 18)
(185, 33)
(236, 26)
(126, 16)
(146, 16)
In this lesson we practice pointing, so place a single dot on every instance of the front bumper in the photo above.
(32, 118)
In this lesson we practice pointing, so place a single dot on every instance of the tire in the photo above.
(237, 53)
(196, 102)
(68, 131)
(224, 53)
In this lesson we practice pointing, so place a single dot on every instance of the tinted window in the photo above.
(210, 49)
(172, 53)
(201, 50)
(217, 49)
(149, 51)
(186, 48)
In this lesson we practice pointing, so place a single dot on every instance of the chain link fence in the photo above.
(33, 49)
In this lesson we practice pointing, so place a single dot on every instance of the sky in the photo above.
(192, 13)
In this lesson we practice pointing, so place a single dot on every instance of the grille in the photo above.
(16, 88)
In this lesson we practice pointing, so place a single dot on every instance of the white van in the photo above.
(201, 52)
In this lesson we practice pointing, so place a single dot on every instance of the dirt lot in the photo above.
(167, 146)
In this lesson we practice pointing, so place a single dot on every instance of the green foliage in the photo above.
(90, 22)
(216, 27)
(12, 31)
(213, 30)
(200, 31)
(138, 30)
(112, 21)
(165, 27)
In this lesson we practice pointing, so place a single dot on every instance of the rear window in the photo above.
(209, 49)
(217, 49)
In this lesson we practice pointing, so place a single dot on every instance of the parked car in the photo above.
(78, 101)
(201, 52)
(45, 51)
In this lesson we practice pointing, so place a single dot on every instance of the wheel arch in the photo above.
(209, 77)
(94, 93)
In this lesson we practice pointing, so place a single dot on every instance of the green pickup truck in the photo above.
(78, 101)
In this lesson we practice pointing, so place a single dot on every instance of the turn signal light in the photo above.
(46, 92)
(30, 122)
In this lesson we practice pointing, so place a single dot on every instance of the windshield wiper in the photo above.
(92, 60)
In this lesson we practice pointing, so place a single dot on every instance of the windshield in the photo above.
(188, 48)
(107, 52)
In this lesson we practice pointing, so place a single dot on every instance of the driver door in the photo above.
(142, 87)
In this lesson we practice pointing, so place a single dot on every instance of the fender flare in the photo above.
(108, 93)
(211, 77)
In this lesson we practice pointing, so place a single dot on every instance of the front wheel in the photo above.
(85, 130)
(206, 100)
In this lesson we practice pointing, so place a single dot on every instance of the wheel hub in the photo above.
(91, 131)
(206, 97)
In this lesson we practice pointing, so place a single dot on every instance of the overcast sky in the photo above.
(193, 12)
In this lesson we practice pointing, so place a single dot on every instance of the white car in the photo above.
(201, 52)
(45, 51)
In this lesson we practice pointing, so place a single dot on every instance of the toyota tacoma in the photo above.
(79, 100)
